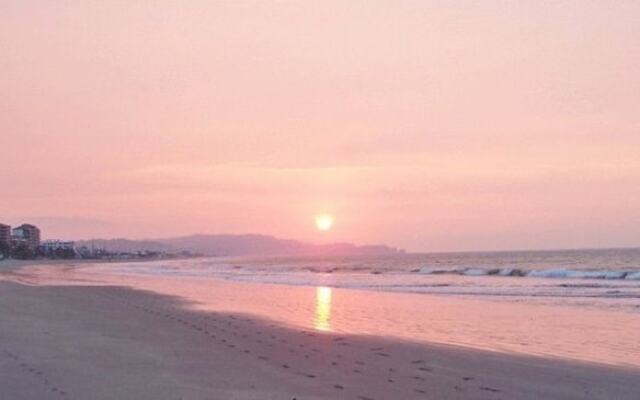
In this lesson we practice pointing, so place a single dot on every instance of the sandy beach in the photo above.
(88, 341)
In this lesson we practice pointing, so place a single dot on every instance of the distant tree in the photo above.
(22, 251)
(63, 253)
(5, 249)
(39, 252)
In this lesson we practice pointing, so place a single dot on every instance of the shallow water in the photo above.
(605, 279)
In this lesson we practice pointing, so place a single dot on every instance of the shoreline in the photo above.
(105, 342)
(606, 337)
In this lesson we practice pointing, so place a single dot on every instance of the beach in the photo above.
(70, 334)
(320, 200)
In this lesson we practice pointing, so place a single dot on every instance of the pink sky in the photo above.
(424, 125)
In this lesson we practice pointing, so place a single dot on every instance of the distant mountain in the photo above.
(237, 245)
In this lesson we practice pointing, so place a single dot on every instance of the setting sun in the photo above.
(324, 222)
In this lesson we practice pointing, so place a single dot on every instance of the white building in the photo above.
(53, 245)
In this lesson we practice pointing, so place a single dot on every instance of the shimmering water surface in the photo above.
(590, 278)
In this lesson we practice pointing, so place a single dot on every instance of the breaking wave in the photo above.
(541, 273)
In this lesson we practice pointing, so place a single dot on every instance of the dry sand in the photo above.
(89, 342)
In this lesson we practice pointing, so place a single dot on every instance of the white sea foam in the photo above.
(633, 275)
(476, 272)
(426, 270)
(596, 274)
(534, 273)
(548, 273)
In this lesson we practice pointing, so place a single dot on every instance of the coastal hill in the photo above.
(236, 245)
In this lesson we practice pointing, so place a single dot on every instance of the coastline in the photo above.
(105, 342)
(528, 327)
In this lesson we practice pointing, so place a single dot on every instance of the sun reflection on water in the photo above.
(322, 320)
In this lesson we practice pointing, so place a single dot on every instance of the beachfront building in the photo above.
(53, 245)
(58, 249)
(5, 241)
(30, 234)
(5, 234)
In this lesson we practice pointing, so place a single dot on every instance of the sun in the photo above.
(324, 222)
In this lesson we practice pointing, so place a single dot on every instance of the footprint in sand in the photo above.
(36, 373)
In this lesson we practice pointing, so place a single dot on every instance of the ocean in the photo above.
(598, 278)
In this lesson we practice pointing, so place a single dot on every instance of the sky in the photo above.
(430, 126)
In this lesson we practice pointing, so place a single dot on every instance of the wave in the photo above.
(540, 273)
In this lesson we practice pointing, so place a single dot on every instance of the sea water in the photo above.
(603, 278)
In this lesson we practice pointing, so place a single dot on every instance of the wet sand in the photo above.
(106, 342)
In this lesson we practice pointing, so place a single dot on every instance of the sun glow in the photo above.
(324, 222)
